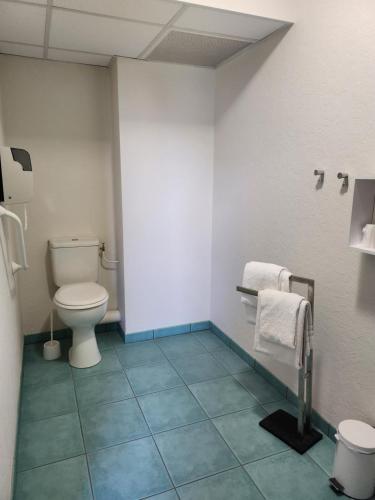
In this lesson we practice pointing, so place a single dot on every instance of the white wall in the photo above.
(301, 100)
(60, 113)
(10, 364)
(166, 115)
(118, 203)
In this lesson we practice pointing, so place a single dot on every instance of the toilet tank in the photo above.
(74, 259)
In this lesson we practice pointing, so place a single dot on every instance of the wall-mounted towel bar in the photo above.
(20, 239)
(307, 435)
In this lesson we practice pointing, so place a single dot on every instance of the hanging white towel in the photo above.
(260, 276)
(284, 320)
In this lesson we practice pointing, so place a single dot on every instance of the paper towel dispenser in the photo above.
(16, 175)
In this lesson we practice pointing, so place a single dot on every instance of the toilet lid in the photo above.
(358, 435)
(81, 296)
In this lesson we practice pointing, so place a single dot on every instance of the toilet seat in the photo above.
(81, 296)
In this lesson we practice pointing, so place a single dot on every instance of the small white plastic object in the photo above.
(354, 466)
(51, 348)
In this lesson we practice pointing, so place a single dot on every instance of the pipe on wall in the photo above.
(111, 316)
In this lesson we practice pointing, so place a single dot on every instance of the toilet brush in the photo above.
(51, 348)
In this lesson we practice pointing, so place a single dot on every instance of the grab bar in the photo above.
(21, 240)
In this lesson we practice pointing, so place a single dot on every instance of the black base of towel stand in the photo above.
(285, 427)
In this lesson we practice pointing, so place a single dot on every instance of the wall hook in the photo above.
(344, 177)
(320, 173)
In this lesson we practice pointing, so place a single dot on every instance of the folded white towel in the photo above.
(260, 276)
(284, 320)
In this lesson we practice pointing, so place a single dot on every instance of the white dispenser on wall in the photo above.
(16, 175)
(16, 186)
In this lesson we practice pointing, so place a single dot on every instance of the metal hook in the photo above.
(320, 173)
(344, 177)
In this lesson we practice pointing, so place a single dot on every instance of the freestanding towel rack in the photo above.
(298, 434)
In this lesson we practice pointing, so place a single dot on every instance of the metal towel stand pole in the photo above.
(305, 372)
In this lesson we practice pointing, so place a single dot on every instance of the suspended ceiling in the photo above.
(93, 31)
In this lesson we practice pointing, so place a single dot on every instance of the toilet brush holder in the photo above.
(51, 350)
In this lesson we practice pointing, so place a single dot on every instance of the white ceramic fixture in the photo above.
(80, 301)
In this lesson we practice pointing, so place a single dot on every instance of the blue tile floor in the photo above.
(167, 419)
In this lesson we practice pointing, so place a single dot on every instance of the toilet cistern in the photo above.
(80, 301)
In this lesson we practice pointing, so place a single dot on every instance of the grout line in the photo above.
(107, 16)
(83, 440)
(268, 456)
(235, 467)
(157, 448)
(51, 463)
(47, 28)
(253, 481)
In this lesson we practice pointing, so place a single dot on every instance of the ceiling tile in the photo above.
(22, 23)
(40, 2)
(18, 49)
(102, 35)
(153, 11)
(198, 50)
(78, 57)
(226, 23)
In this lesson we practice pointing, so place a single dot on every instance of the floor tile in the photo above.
(48, 401)
(323, 453)
(233, 484)
(111, 424)
(232, 362)
(194, 451)
(169, 409)
(283, 404)
(210, 341)
(43, 372)
(68, 479)
(199, 368)
(153, 378)
(245, 437)
(108, 340)
(168, 495)
(105, 388)
(128, 472)
(290, 476)
(180, 345)
(222, 395)
(259, 388)
(140, 353)
(49, 440)
(109, 363)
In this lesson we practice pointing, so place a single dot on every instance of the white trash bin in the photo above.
(354, 466)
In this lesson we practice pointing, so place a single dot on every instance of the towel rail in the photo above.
(305, 372)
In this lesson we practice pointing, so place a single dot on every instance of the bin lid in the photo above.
(358, 435)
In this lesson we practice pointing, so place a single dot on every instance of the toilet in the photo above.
(80, 301)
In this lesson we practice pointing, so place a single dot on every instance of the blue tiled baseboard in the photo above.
(167, 332)
(317, 420)
(65, 333)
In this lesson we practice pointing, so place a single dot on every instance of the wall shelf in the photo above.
(362, 212)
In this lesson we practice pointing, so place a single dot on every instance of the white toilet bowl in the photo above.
(81, 306)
